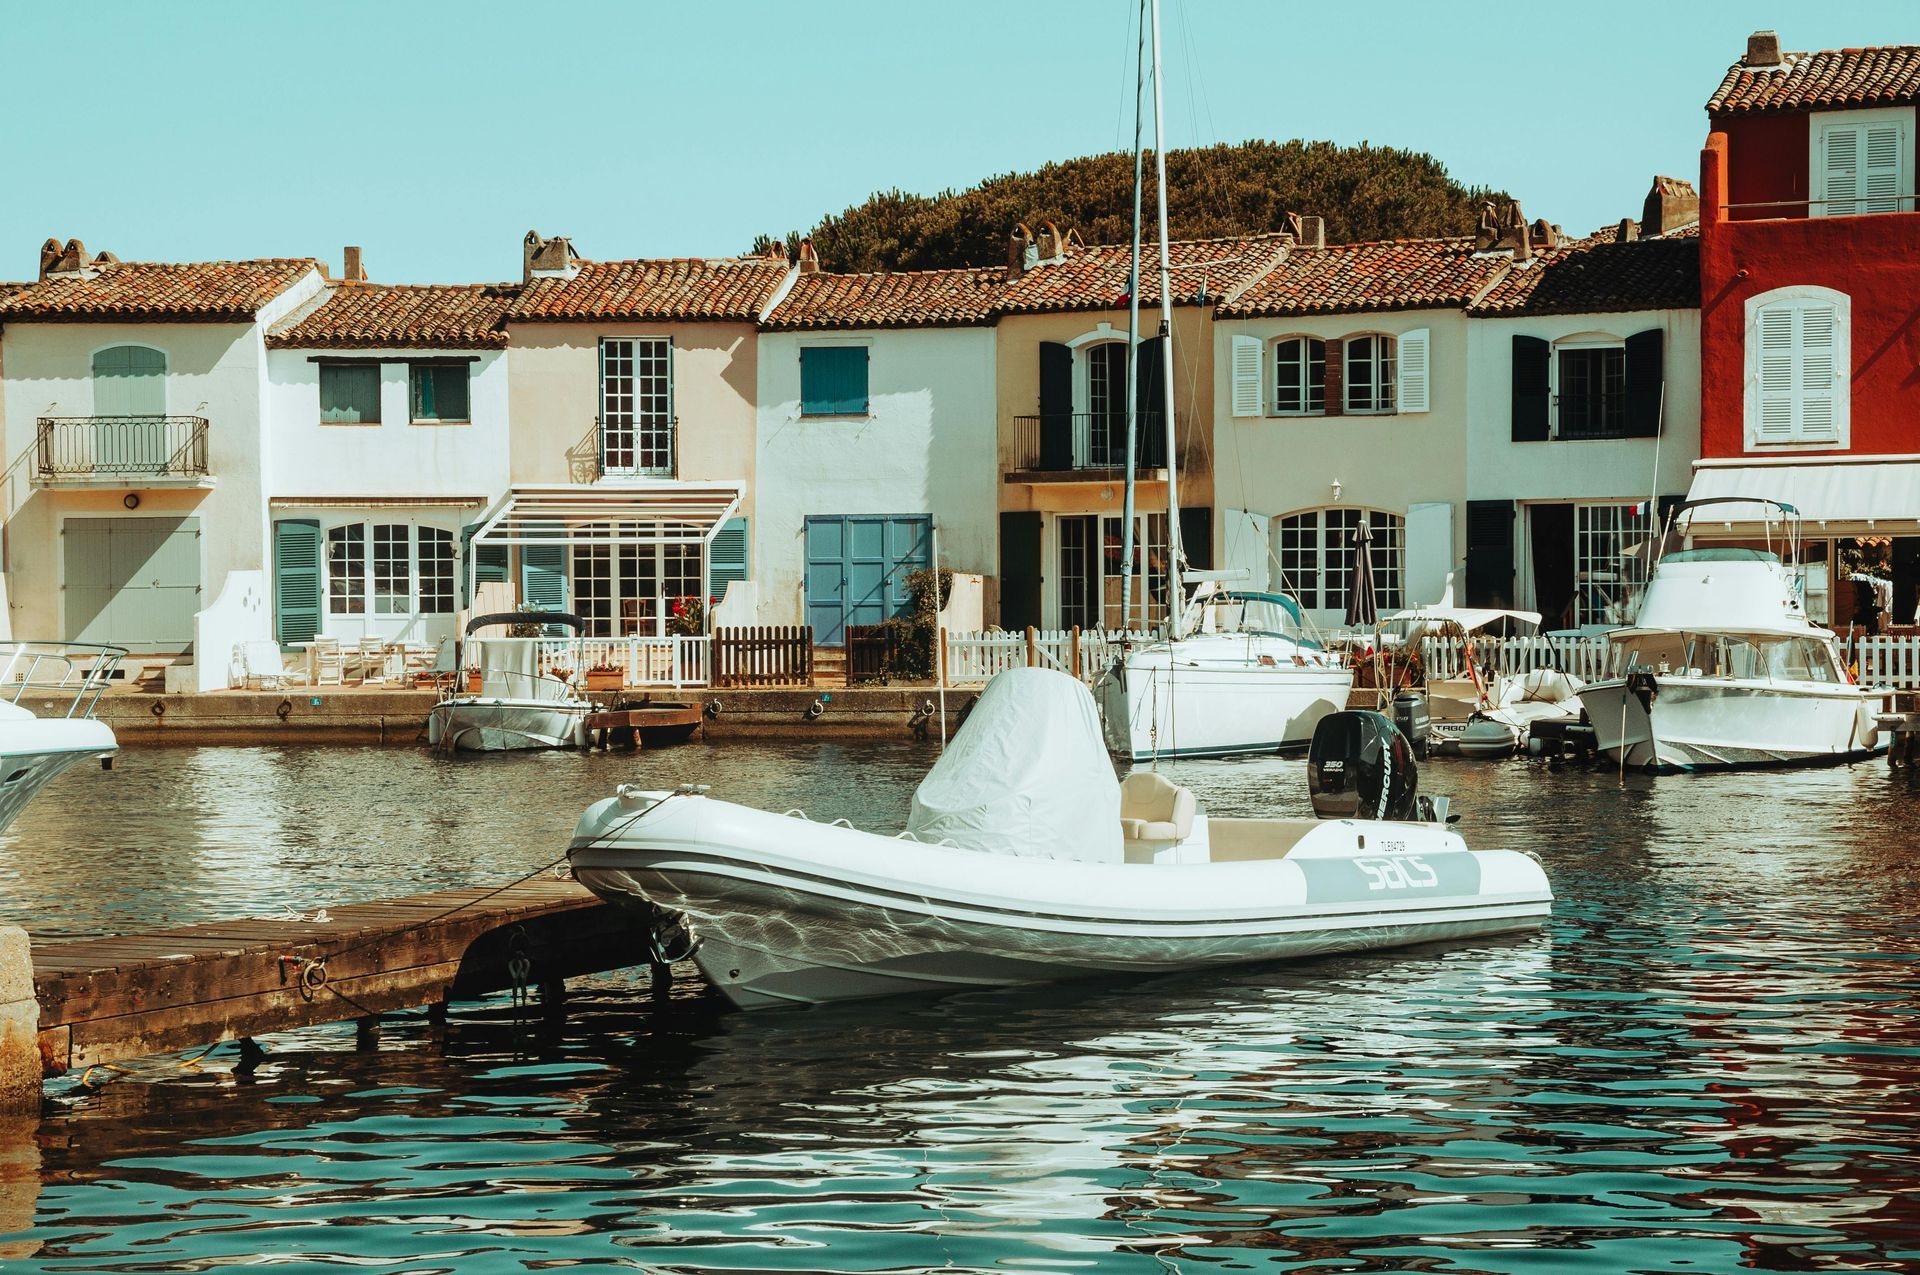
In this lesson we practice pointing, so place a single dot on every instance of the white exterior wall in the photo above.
(928, 446)
(214, 370)
(394, 457)
(1500, 469)
(1279, 465)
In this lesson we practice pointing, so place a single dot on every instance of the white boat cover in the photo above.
(1027, 775)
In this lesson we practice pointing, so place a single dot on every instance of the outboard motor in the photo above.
(1360, 766)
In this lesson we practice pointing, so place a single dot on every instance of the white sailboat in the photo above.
(34, 748)
(1236, 677)
(1024, 861)
(1723, 668)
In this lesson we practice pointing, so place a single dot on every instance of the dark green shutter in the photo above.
(1645, 372)
(1530, 389)
(296, 580)
(1149, 370)
(833, 380)
(730, 557)
(489, 567)
(1056, 406)
(543, 577)
(1490, 553)
(1019, 570)
(1196, 536)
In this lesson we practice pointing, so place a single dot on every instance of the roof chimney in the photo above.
(49, 254)
(68, 258)
(1050, 245)
(1486, 231)
(1543, 234)
(809, 259)
(350, 268)
(1671, 204)
(1629, 231)
(1020, 252)
(547, 258)
(1763, 49)
(1514, 232)
(1312, 232)
(776, 249)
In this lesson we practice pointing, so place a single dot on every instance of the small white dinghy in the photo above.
(519, 704)
(1025, 861)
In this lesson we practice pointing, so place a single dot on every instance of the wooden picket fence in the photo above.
(763, 655)
(1885, 659)
(873, 654)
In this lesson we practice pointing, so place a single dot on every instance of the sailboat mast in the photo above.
(1166, 344)
(1133, 350)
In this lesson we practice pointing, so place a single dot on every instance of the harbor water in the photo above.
(1707, 1062)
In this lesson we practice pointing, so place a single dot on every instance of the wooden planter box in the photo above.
(473, 681)
(608, 680)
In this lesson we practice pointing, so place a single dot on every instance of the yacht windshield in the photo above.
(1757, 658)
(1268, 613)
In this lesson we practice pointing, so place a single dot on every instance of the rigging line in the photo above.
(1120, 114)
(1194, 82)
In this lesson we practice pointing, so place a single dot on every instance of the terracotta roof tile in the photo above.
(1885, 76)
(192, 292)
(891, 299)
(1393, 274)
(361, 316)
(690, 288)
(1600, 276)
(1095, 277)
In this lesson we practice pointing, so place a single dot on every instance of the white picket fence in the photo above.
(643, 661)
(1885, 660)
(973, 658)
(1586, 658)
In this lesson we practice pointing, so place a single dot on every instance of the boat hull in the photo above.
(788, 912)
(1692, 724)
(33, 753)
(504, 725)
(1151, 711)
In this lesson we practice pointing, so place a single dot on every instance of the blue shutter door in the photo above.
(543, 577)
(296, 580)
(826, 580)
(729, 557)
(867, 569)
(909, 549)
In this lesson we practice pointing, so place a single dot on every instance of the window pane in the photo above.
(1289, 377)
(436, 571)
(1300, 558)
(347, 570)
(392, 569)
(1316, 375)
(1360, 374)
(350, 393)
(439, 392)
(1593, 393)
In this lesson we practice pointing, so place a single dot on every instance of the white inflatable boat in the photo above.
(1025, 861)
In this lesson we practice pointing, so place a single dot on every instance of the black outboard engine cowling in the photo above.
(1360, 766)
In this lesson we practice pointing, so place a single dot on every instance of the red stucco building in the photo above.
(1810, 300)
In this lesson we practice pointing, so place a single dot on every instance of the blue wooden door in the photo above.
(133, 581)
(857, 568)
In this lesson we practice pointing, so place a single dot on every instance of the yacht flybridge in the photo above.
(1723, 668)
(1023, 860)
(33, 748)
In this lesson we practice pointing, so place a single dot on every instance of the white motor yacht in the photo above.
(520, 704)
(1024, 860)
(66, 678)
(1723, 668)
(1245, 678)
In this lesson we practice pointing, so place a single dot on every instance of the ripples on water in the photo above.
(1707, 1062)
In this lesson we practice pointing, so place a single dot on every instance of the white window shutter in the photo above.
(1841, 155)
(1246, 376)
(1880, 171)
(1819, 389)
(1774, 332)
(1412, 394)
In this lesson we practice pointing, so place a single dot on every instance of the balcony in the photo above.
(121, 451)
(617, 450)
(1090, 447)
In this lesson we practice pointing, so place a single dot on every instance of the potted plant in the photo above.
(606, 677)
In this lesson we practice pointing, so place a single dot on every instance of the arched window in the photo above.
(1316, 556)
(1798, 360)
(1299, 376)
(129, 380)
(1370, 372)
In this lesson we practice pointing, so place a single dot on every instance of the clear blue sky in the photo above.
(436, 134)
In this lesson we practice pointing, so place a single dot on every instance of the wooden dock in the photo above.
(629, 727)
(103, 1000)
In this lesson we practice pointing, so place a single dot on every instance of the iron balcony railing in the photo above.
(91, 447)
(1078, 441)
(634, 447)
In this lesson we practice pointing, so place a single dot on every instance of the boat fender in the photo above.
(582, 736)
(1867, 727)
(1644, 687)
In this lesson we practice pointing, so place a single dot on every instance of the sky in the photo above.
(435, 135)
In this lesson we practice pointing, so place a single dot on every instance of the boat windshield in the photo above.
(1721, 553)
(1753, 658)
(1271, 614)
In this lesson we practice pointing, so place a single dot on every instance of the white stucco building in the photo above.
(134, 404)
(874, 428)
(1583, 374)
(387, 437)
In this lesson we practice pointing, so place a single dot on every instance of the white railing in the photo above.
(1885, 659)
(642, 661)
(1587, 658)
(974, 658)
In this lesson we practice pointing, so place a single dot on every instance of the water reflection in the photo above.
(1704, 1064)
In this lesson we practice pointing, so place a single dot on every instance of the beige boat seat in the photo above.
(1154, 808)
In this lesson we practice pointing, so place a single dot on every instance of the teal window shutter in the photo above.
(489, 568)
(543, 579)
(296, 579)
(439, 392)
(833, 380)
(350, 393)
(732, 549)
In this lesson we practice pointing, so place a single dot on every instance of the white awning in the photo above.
(376, 502)
(1836, 496)
(660, 512)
